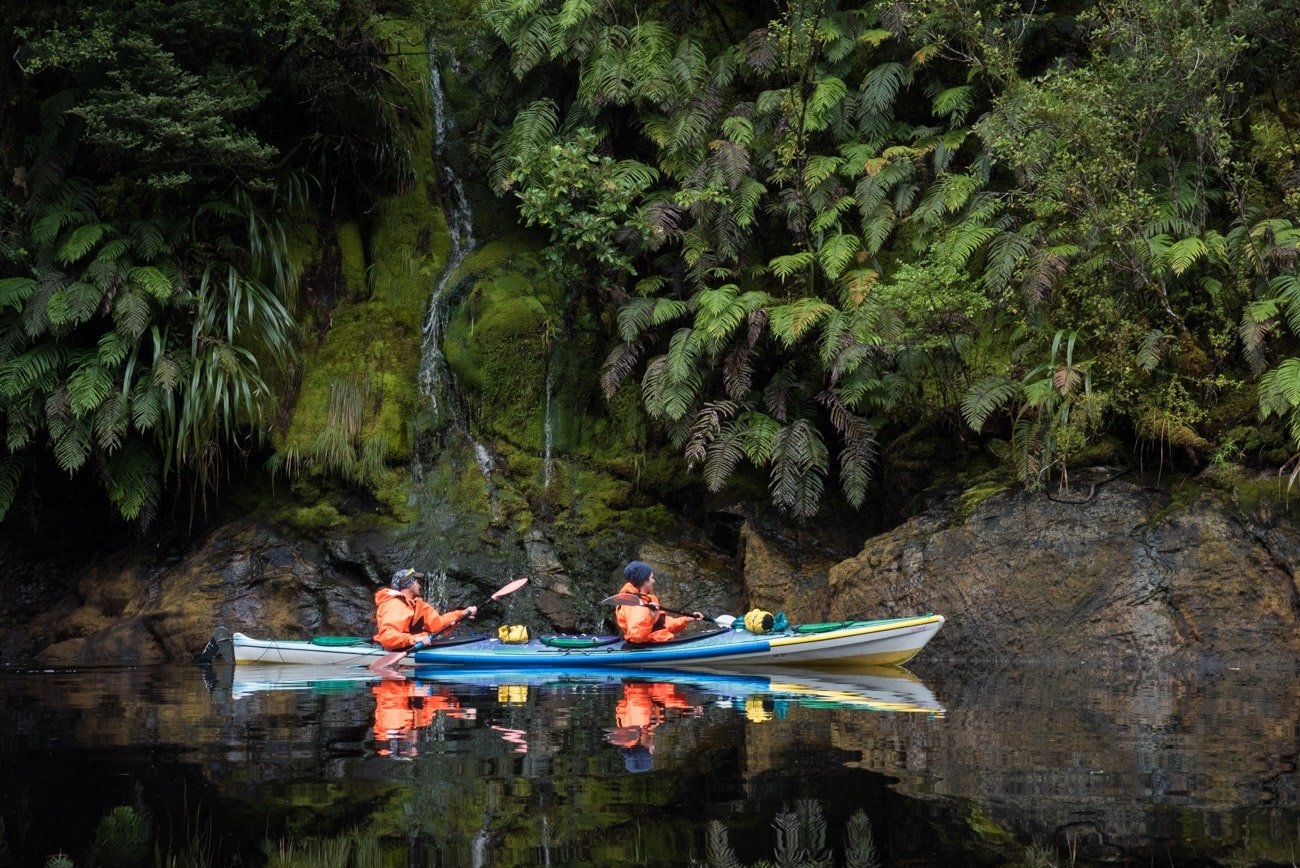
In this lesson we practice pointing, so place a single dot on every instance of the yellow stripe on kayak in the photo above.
(860, 631)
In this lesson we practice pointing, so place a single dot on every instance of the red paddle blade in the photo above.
(624, 600)
(511, 588)
(386, 661)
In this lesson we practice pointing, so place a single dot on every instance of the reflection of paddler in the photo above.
(642, 709)
(403, 708)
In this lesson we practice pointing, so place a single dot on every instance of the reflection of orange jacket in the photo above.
(639, 624)
(645, 704)
(401, 706)
(403, 622)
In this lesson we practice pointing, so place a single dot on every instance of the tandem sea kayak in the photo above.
(844, 643)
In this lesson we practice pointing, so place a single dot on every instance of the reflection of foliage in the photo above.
(801, 841)
(344, 851)
(122, 838)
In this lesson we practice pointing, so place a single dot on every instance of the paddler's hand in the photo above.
(471, 611)
(698, 616)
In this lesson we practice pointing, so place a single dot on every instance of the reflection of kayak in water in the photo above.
(240, 681)
(869, 688)
(883, 688)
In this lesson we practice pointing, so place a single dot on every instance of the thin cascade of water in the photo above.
(485, 466)
(435, 588)
(435, 377)
(548, 430)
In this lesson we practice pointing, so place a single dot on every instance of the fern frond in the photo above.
(19, 374)
(722, 455)
(799, 465)
(882, 85)
(14, 292)
(792, 263)
(634, 317)
(986, 396)
(152, 281)
(790, 322)
(11, 477)
(132, 481)
(1155, 346)
(836, 254)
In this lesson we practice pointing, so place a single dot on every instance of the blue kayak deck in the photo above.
(732, 645)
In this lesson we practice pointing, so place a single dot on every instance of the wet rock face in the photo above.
(785, 571)
(1128, 577)
(133, 608)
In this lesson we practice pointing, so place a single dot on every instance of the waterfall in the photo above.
(548, 430)
(434, 588)
(435, 377)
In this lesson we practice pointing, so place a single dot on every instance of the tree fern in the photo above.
(799, 466)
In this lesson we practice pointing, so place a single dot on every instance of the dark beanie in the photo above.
(637, 572)
(637, 759)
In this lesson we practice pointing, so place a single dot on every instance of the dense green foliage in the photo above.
(813, 229)
(857, 219)
(157, 151)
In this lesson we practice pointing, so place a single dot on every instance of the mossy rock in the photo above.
(499, 342)
(359, 384)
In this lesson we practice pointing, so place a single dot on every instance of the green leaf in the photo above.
(791, 263)
(152, 281)
(88, 386)
(14, 292)
(986, 396)
(790, 322)
(82, 240)
(836, 254)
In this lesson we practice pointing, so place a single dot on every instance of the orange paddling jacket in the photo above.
(403, 622)
(639, 624)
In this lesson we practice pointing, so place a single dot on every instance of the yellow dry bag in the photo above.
(758, 621)
(513, 633)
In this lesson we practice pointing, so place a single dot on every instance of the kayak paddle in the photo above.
(634, 600)
(391, 659)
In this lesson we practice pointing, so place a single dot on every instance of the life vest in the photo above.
(402, 621)
(642, 624)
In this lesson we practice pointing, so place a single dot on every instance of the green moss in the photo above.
(352, 256)
(499, 341)
(372, 348)
(972, 497)
(318, 517)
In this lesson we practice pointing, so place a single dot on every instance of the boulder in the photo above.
(1130, 575)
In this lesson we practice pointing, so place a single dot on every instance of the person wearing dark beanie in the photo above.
(646, 623)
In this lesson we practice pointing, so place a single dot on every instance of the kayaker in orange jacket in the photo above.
(647, 623)
(405, 619)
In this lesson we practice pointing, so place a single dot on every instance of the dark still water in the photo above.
(295, 766)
